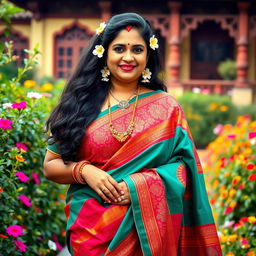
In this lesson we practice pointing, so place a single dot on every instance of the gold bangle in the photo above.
(83, 164)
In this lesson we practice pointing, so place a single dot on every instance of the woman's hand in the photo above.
(126, 199)
(103, 184)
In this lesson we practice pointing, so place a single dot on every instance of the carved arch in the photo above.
(191, 22)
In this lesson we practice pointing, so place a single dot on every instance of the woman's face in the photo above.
(127, 56)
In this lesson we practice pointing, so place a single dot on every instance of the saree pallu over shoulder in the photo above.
(169, 213)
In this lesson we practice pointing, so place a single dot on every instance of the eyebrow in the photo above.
(123, 45)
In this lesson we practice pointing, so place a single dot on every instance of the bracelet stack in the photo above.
(77, 169)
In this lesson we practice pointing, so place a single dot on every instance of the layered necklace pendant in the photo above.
(123, 104)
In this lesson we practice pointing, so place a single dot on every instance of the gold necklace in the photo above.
(123, 104)
(122, 136)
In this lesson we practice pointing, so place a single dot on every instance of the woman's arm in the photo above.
(100, 181)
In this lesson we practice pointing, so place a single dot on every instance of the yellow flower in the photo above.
(224, 194)
(223, 108)
(215, 184)
(224, 239)
(101, 28)
(252, 126)
(153, 42)
(20, 158)
(226, 174)
(230, 254)
(232, 238)
(29, 83)
(232, 204)
(213, 106)
(232, 192)
(20, 189)
(98, 51)
(252, 219)
(47, 87)
(19, 217)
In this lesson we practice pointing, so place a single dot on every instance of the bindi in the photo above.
(128, 28)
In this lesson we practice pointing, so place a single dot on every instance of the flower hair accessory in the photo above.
(101, 28)
(153, 42)
(146, 75)
(98, 51)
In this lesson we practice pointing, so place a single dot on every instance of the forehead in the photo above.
(131, 37)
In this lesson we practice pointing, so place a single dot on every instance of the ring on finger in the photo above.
(122, 198)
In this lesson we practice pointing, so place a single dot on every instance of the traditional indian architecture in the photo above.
(194, 37)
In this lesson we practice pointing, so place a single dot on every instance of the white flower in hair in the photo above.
(98, 51)
(101, 28)
(153, 42)
(146, 75)
(105, 73)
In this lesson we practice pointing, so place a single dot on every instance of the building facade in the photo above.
(194, 37)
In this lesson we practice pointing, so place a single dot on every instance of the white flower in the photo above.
(146, 74)
(34, 95)
(153, 42)
(105, 73)
(196, 90)
(98, 51)
(101, 28)
(52, 245)
(7, 105)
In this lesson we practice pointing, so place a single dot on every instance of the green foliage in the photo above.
(227, 69)
(232, 161)
(204, 113)
(41, 217)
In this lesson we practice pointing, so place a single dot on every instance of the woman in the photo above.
(123, 144)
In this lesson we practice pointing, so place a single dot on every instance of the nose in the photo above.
(128, 56)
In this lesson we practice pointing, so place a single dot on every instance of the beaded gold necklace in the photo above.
(122, 136)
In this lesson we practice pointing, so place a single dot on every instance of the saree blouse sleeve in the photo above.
(53, 148)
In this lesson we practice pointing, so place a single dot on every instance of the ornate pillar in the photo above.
(242, 45)
(242, 93)
(174, 42)
(105, 7)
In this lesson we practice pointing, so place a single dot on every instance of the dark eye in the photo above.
(118, 49)
(137, 50)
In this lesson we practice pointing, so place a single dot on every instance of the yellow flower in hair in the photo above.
(153, 42)
(101, 28)
(98, 51)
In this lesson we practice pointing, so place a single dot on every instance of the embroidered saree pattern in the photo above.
(169, 213)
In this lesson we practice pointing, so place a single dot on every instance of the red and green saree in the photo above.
(169, 214)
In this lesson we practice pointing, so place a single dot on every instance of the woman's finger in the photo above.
(116, 185)
(115, 194)
(108, 193)
(103, 196)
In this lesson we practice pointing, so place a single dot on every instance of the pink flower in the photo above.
(231, 136)
(5, 124)
(7, 105)
(19, 105)
(25, 200)
(251, 135)
(47, 95)
(22, 176)
(218, 129)
(20, 146)
(20, 245)
(14, 230)
(35, 178)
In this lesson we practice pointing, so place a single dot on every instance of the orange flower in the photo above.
(235, 180)
(232, 192)
(224, 194)
(29, 83)
(251, 253)
(1, 190)
(20, 158)
(232, 238)
(230, 254)
(61, 196)
(223, 108)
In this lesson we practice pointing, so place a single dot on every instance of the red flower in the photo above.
(3, 236)
(37, 209)
(250, 166)
(252, 177)
(228, 210)
(5, 124)
(241, 186)
(243, 219)
(19, 105)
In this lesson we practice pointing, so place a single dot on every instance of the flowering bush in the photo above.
(31, 207)
(232, 163)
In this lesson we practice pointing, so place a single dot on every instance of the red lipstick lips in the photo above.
(127, 67)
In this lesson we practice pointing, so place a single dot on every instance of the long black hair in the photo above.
(85, 93)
